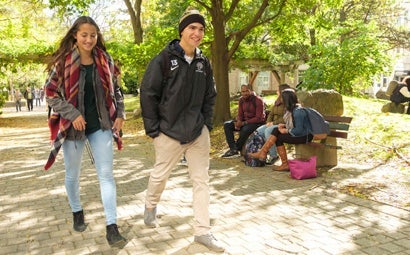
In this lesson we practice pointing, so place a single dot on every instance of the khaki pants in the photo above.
(167, 153)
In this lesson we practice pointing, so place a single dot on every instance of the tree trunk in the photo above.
(252, 79)
(222, 106)
(138, 29)
(222, 54)
(220, 66)
(135, 19)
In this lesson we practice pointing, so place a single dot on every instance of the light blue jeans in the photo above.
(266, 132)
(102, 150)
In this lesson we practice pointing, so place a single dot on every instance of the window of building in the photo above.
(262, 82)
(243, 79)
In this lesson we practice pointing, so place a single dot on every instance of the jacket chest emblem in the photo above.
(174, 64)
(199, 67)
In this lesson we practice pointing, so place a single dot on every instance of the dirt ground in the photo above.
(387, 183)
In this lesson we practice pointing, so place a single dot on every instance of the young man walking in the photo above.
(177, 100)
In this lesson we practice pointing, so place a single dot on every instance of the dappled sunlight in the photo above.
(373, 132)
(370, 182)
(252, 210)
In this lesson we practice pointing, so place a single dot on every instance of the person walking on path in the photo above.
(29, 96)
(83, 91)
(17, 99)
(251, 115)
(37, 96)
(177, 100)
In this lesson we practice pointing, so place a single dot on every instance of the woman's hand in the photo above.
(283, 129)
(79, 123)
(118, 123)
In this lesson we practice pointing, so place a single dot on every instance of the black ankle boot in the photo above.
(113, 235)
(78, 221)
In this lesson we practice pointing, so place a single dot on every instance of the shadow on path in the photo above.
(253, 210)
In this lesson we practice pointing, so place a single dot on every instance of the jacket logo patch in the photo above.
(174, 64)
(199, 67)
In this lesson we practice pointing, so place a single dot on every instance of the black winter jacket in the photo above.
(177, 98)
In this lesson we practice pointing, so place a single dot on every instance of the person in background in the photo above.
(82, 89)
(401, 93)
(29, 96)
(17, 99)
(296, 129)
(251, 115)
(275, 117)
(37, 96)
(177, 108)
(41, 94)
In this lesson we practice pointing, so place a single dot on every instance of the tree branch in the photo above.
(240, 35)
(395, 149)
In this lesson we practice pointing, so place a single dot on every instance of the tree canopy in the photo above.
(344, 42)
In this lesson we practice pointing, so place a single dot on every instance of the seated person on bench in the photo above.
(251, 115)
(297, 130)
(274, 117)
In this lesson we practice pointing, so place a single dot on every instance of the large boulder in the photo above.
(327, 102)
(393, 107)
(382, 95)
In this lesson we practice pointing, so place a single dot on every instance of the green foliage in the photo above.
(168, 13)
(24, 50)
(346, 67)
(133, 59)
(372, 137)
(2, 99)
(70, 6)
(343, 51)
(131, 103)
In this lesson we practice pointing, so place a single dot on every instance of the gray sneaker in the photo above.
(210, 242)
(150, 217)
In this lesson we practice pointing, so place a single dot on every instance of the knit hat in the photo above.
(190, 16)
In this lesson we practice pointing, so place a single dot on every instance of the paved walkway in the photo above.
(253, 210)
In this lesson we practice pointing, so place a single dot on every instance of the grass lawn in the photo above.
(373, 136)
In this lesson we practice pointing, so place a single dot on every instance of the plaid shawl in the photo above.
(58, 125)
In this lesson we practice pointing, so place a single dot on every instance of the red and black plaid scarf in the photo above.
(58, 125)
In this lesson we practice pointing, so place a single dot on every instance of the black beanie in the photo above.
(190, 16)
